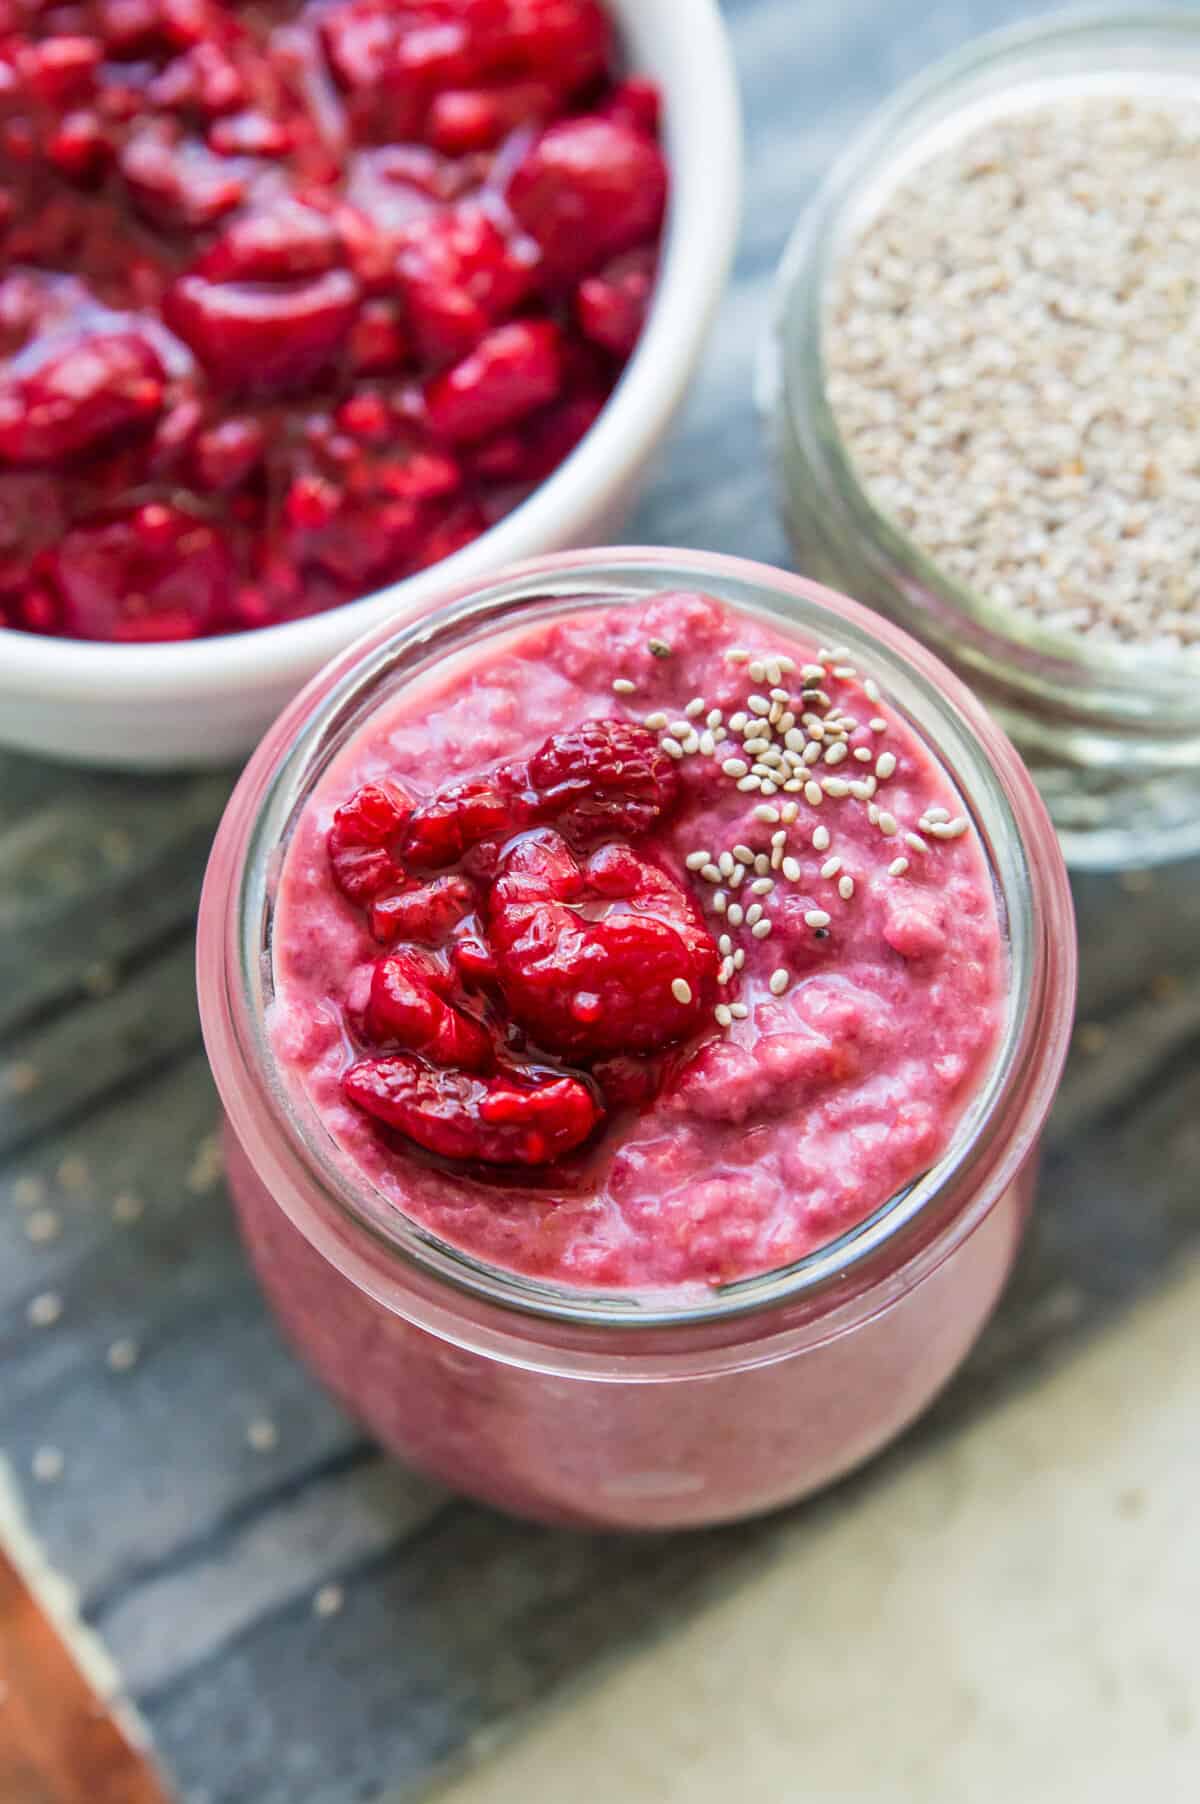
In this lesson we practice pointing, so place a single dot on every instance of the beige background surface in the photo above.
(1010, 1616)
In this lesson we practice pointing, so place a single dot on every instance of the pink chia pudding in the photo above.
(645, 949)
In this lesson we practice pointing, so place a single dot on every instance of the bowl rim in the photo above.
(701, 236)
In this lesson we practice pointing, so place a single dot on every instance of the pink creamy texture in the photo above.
(783, 1129)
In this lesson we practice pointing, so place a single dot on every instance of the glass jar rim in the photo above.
(1137, 682)
(927, 1218)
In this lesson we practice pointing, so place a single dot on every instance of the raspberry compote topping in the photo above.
(299, 299)
(539, 983)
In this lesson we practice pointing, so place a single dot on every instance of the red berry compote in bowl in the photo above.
(299, 297)
(635, 994)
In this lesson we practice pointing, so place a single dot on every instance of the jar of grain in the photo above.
(982, 386)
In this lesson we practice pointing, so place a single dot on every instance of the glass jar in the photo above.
(1112, 733)
(612, 1408)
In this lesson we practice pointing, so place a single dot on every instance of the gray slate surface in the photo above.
(197, 1558)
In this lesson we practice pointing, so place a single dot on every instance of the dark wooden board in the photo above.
(299, 1621)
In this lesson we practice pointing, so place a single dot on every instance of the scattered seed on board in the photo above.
(48, 1464)
(328, 1600)
(262, 1436)
(42, 1226)
(45, 1309)
(122, 1355)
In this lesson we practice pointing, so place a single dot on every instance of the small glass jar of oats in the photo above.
(982, 381)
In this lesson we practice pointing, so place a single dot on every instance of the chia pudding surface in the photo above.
(773, 1134)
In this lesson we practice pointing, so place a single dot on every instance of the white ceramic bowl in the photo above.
(204, 703)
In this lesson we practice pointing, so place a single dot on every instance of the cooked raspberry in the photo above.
(228, 453)
(60, 71)
(459, 525)
(465, 119)
(81, 147)
(426, 913)
(276, 205)
(606, 776)
(287, 241)
(377, 340)
(457, 276)
(405, 1007)
(587, 981)
(587, 189)
(459, 815)
(78, 395)
(158, 573)
(202, 79)
(270, 337)
(635, 102)
(250, 134)
(475, 963)
(511, 1118)
(570, 40)
(178, 186)
(627, 1083)
(363, 838)
(611, 306)
(511, 372)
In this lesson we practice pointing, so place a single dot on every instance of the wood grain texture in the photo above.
(196, 1538)
(58, 1744)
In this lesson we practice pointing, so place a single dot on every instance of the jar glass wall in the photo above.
(1112, 733)
(619, 1408)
